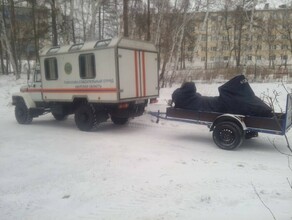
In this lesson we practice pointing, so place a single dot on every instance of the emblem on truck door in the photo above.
(68, 68)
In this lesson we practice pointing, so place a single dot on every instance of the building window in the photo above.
(213, 38)
(225, 38)
(272, 37)
(214, 48)
(248, 38)
(273, 47)
(225, 47)
(259, 47)
(204, 48)
(87, 66)
(249, 57)
(225, 58)
(259, 57)
(259, 37)
(212, 59)
(285, 37)
(248, 48)
(51, 68)
(284, 57)
(191, 48)
(272, 57)
(203, 58)
(284, 47)
(204, 37)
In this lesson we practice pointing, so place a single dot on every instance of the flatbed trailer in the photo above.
(229, 130)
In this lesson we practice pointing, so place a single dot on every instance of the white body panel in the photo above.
(68, 86)
(137, 78)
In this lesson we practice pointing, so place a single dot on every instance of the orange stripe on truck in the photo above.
(74, 90)
(136, 72)
(144, 73)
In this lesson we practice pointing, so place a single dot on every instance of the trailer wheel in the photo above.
(22, 114)
(85, 117)
(227, 135)
(60, 117)
(119, 121)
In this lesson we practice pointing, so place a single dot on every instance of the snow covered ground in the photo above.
(144, 170)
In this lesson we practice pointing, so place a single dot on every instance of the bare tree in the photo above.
(95, 5)
(125, 18)
(6, 45)
(148, 21)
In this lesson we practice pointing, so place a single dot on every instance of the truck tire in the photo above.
(227, 135)
(22, 113)
(119, 121)
(85, 117)
(60, 117)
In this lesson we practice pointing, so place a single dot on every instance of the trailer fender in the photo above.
(229, 117)
(25, 97)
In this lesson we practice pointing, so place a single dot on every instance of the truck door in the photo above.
(35, 87)
(138, 73)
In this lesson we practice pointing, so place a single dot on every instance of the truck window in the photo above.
(51, 69)
(87, 66)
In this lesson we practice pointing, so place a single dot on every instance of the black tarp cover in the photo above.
(236, 97)
(187, 97)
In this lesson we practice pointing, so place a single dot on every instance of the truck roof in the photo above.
(120, 42)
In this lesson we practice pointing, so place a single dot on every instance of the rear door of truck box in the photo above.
(138, 73)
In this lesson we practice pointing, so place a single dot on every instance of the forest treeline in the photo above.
(176, 27)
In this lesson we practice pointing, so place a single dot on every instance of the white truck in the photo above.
(95, 81)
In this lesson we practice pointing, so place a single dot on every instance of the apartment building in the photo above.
(243, 38)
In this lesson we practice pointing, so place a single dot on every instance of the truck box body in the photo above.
(115, 70)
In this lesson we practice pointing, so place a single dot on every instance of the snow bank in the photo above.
(144, 170)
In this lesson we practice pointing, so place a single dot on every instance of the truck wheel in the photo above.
(60, 117)
(227, 135)
(85, 117)
(22, 114)
(119, 121)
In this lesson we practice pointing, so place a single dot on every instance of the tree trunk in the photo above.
(6, 43)
(72, 20)
(125, 18)
(54, 23)
(99, 23)
(148, 21)
(2, 60)
(95, 5)
(36, 39)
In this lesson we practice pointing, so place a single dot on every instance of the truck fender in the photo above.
(229, 117)
(25, 97)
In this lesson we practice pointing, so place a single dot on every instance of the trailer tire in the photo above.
(60, 117)
(118, 120)
(85, 117)
(227, 135)
(22, 113)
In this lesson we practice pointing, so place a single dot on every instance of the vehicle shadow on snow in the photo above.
(264, 144)
(206, 140)
(69, 124)
(52, 123)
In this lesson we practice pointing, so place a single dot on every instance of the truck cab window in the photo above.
(87, 66)
(51, 69)
(37, 76)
